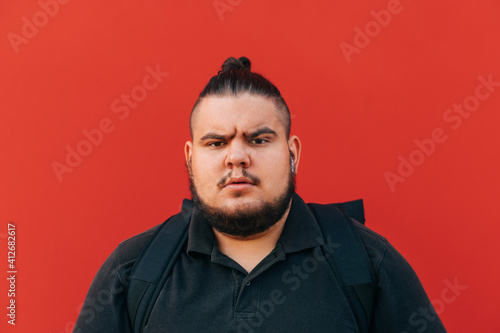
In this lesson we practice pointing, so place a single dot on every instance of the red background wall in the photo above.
(357, 111)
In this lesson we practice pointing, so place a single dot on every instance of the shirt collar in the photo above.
(301, 231)
(201, 237)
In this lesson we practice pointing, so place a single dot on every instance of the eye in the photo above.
(215, 144)
(259, 141)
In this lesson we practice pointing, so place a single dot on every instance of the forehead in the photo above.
(230, 114)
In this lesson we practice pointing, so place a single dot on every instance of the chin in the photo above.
(241, 204)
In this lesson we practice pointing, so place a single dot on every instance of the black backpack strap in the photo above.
(354, 209)
(348, 259)
(153, 266)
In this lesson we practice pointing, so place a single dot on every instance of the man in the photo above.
(255, 259)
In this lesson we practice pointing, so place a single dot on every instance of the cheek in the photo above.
(276, 172)
(205, 170)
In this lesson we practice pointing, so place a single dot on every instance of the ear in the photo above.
(295, 147)
(188, 151)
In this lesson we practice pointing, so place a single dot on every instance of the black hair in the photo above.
(236, 78)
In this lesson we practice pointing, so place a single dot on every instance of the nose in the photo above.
(237, 155)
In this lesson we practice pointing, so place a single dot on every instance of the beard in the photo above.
(248, 220)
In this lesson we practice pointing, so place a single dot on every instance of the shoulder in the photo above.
(370, 237)
(377, 246)
(105, 307)
(127, 252)
(130, 249)
(115, 270)
(386, 260)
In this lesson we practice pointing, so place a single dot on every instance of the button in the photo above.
(248, 284)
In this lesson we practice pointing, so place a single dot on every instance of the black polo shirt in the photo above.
(293, 289)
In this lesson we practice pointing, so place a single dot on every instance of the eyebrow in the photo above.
(263, 130)
(213, 135)
(217, 136)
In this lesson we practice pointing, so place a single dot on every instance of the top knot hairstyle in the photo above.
(236, 78)
(233, 63)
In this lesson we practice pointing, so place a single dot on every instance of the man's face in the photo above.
(239, 158)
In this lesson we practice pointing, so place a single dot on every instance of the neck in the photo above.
(248, 252)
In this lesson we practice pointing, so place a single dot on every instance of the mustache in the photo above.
(254, 179)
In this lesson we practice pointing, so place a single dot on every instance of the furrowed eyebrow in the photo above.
(264, 130)
(217, 136)
(214, 136)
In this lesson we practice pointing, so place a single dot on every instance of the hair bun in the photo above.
(242, 63)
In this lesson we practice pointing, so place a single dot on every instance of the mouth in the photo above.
(246, 181)
(239, 183)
